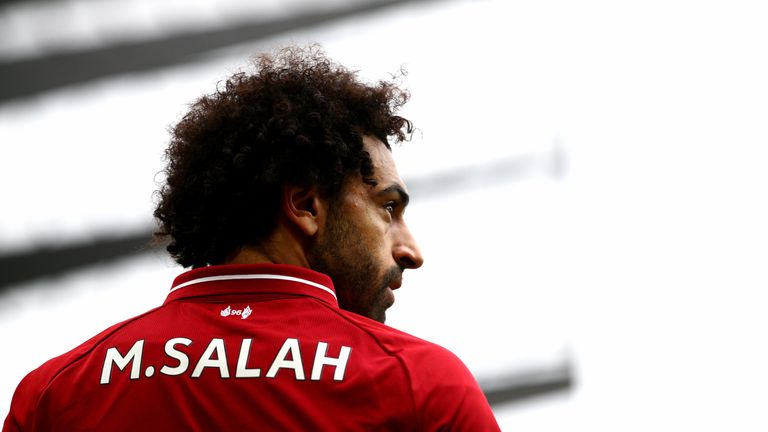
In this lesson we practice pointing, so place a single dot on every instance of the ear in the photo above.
(303, 208)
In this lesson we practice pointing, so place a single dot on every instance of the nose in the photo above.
(406, 252)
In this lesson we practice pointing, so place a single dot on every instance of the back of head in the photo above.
(297, 119)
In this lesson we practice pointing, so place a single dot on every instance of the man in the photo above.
(283, 197)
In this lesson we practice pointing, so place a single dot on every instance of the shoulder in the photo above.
(36, 383)
(425, 363)
(446, 394)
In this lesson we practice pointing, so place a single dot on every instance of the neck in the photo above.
(275, 250)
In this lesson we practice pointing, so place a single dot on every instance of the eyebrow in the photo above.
(396, 188)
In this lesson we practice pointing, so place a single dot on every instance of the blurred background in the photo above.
(588, 181)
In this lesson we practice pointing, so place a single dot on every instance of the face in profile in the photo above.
(365, 245)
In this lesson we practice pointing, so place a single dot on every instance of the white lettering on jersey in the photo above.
(242, 361)
(172, 352)
(291, 346)
(215, 357)
(217, 346)
(114, 356)
(321, 360)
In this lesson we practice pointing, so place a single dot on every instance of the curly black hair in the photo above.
(298, 119)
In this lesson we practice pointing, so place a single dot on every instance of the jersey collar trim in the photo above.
(252, 278)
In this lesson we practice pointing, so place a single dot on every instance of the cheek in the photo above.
(384, 235)
(374, 225)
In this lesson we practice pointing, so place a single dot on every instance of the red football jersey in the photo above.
(251, 347)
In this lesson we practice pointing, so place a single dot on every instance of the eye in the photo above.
(390, 207)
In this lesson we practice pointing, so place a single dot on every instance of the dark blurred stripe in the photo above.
(527, 384)
(27, 77)
(47, 261)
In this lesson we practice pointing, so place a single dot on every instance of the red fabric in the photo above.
(200, 381)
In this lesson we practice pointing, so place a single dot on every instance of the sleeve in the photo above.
(25, 413)
(447, 395)
(11, 425)
(23, 404)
